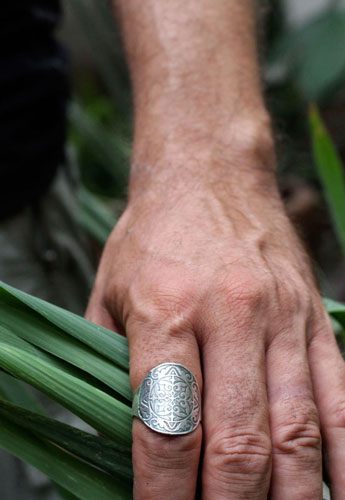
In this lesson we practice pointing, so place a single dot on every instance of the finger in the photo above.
(296, 438)
(328, 375)
(237, 456)
(164, 466)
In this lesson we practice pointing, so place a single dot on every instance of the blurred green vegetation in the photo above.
(331, 173)
(100, 115)
(301, 63)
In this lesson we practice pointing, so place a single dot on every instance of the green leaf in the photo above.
(109, 416)
(10, 338)
(110, 149)
(100, 452)
(36, 330)
(64, 494)
(14, 390)
(337, 312)
(335, 309)
(110, 344)
(81, 479)
(331, 173)
(94, 216)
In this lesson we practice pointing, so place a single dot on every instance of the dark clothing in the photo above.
(33, 95)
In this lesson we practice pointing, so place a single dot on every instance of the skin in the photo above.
(205, 269)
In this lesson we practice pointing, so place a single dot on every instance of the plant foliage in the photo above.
(85, 368)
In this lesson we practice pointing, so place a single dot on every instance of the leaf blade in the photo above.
(331, 173)
(82, 480)
(100, 452)
(110, 344)
(109, 416)
(37, 331)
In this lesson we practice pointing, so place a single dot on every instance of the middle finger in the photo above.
(237, 461)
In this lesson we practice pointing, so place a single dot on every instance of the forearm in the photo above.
(197, 93)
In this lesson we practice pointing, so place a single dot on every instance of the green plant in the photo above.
(100, 115)
(85, 368)
(94, 216)
(331, 172)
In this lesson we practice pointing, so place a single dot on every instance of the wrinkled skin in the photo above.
(217, 280)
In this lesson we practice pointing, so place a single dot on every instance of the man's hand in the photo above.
(204, 269)
(216, 280)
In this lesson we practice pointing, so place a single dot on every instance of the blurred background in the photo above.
(302, 51)
(302, 47)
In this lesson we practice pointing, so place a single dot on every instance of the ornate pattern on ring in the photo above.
(169, 399)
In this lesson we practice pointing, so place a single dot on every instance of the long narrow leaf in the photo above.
(99, 210)
(9, 337)
(101, 452)
(104, 413)
(106, 455)
(13, 390)
(94, 217)
(81, 479)
(64, 494)
(108, 148)
(35, 329)
(331, 173)
(110, 344)
(336, 310)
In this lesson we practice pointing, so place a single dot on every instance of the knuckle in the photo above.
(244, 290)
(154, 302)
(298, 433)
(156, 451)
(293, 295)
(241, 453)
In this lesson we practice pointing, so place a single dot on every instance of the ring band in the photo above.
(168, 400)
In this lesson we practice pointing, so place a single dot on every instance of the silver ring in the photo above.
(168, 400)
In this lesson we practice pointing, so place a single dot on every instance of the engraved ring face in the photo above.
(169, 399)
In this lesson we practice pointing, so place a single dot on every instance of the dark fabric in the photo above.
(33, 96)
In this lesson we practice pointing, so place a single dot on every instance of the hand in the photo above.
(215, 278)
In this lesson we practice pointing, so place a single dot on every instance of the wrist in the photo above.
(239, 154)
